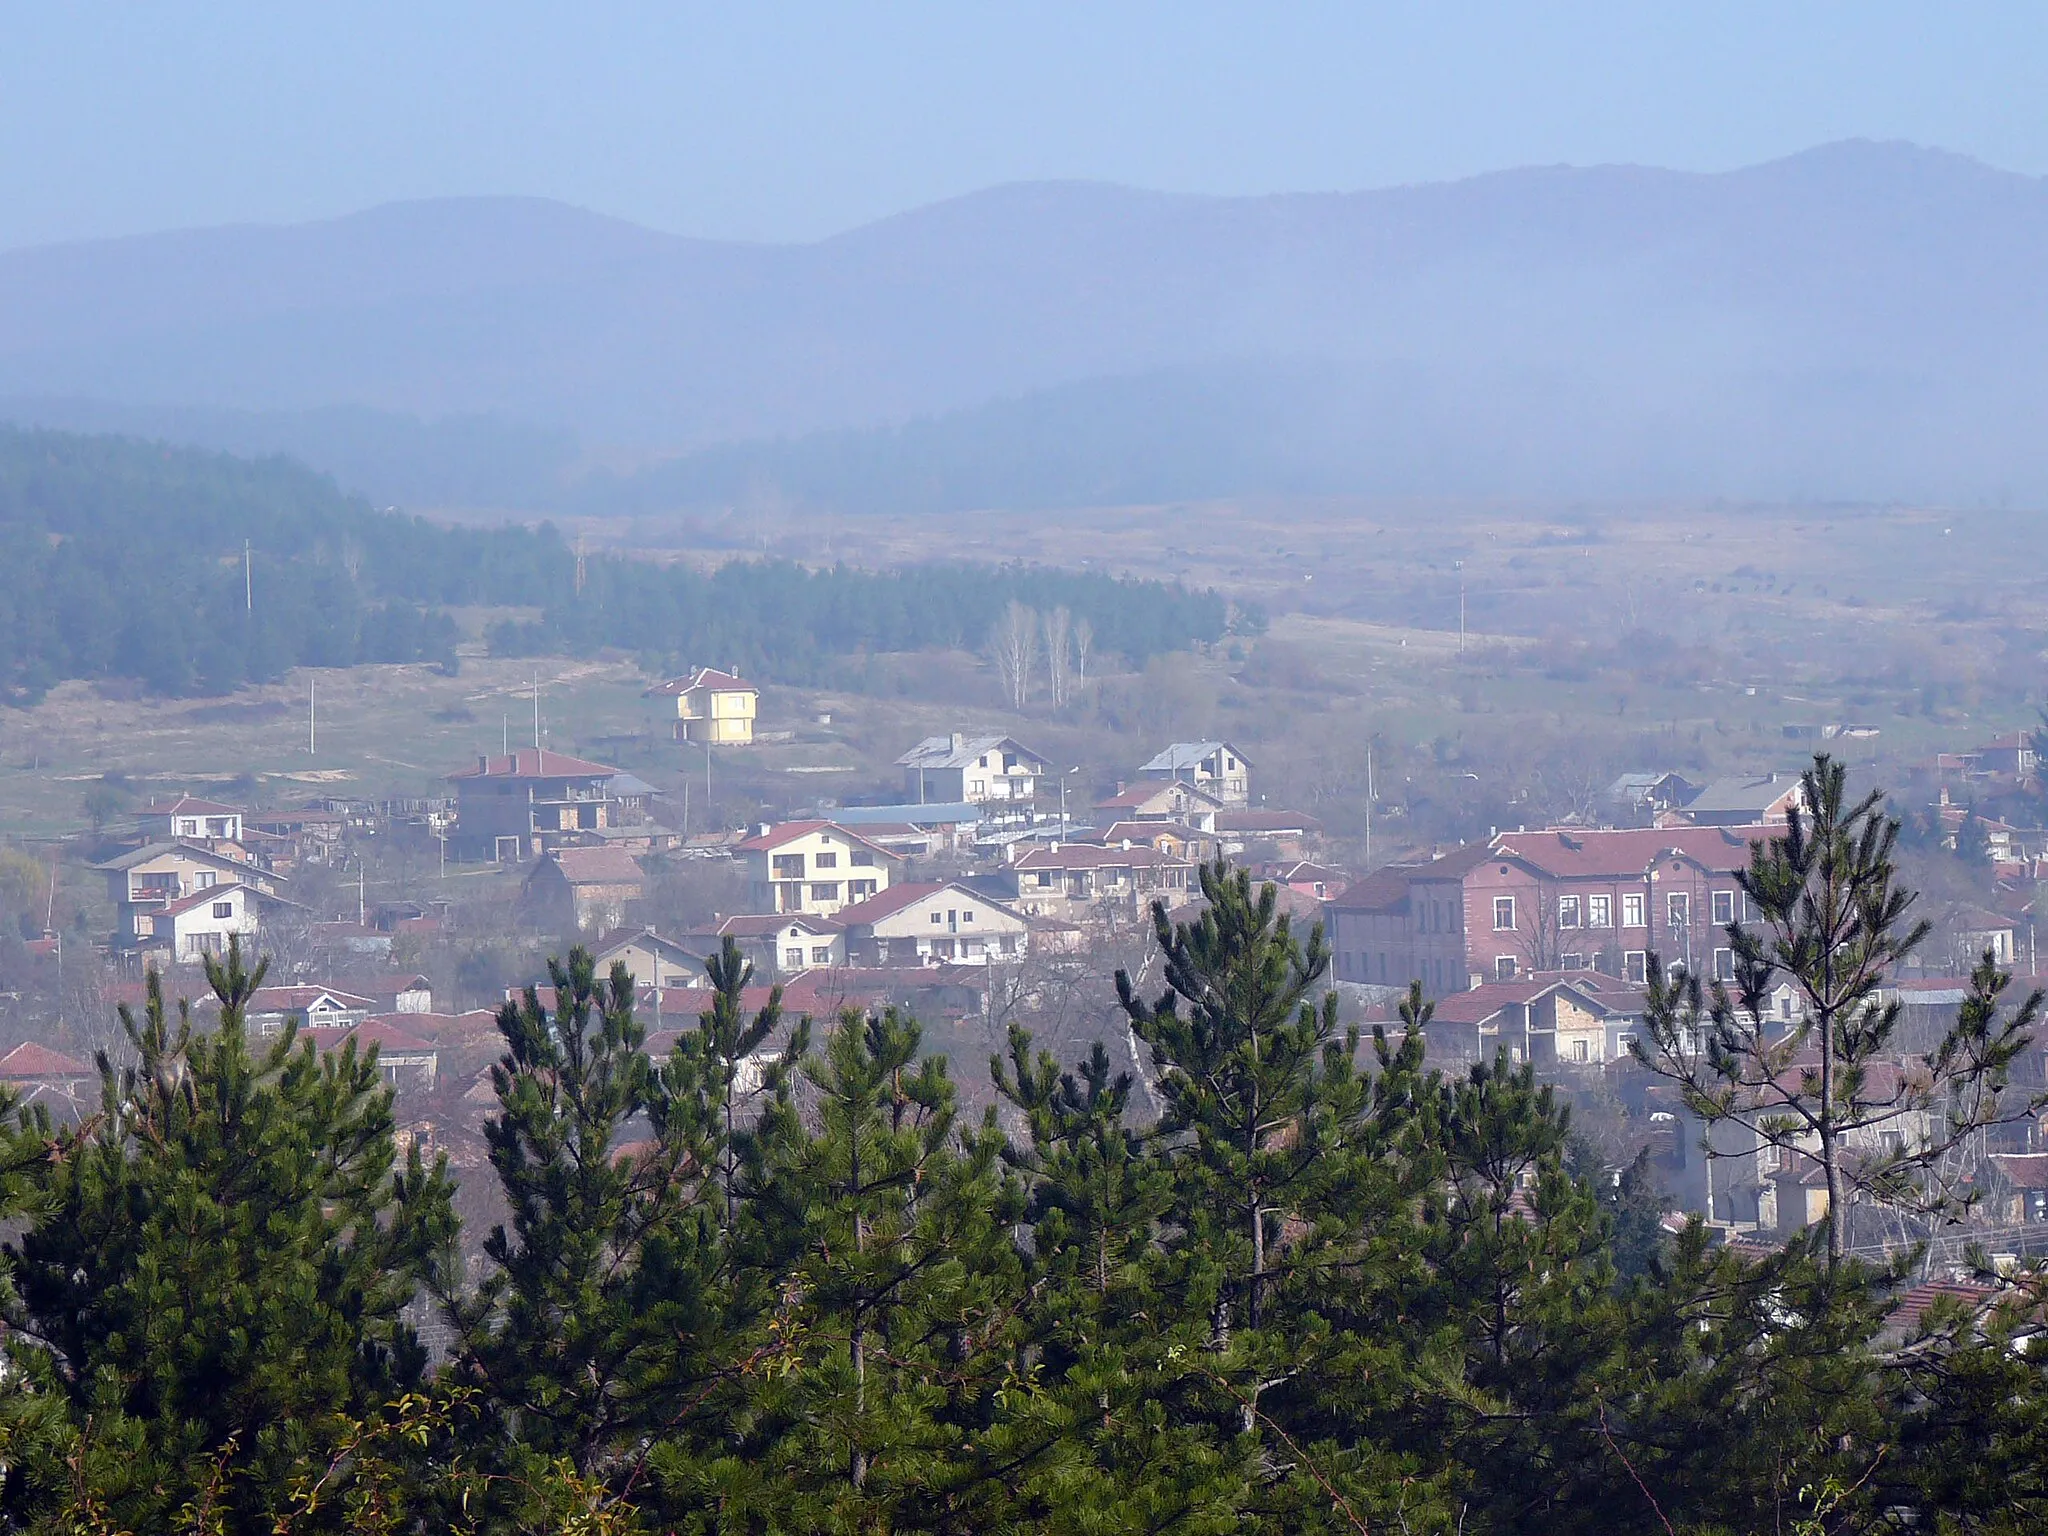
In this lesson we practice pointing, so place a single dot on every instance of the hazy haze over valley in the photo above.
(1860, 321)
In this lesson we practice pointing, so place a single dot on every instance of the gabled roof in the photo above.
(960, 751)
(595, 866)
(200, 898)
(189, 805)
(197, 851)
(289, 999)
(704, 677)
(952, 813)
(1089, 856)
(1755, 793)
(1181, 755)
(1483, 1002)
(898, 897)
(623, 938)
(1384, 890)
(535, 763)
(2023, 1170)
(1136, 795)
(786, 832)
(30, 1062)
(1621, 853)
(762, 925)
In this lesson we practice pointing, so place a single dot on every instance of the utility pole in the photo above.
(1368, 807)
(312, 716)
(1461, 605)
(248, 581)
(362, 905)
(536, 709)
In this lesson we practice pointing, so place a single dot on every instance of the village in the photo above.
(994, 889)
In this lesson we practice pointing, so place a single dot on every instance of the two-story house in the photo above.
(190, 817)
(147, 883)
(713, 708)
(529, 802)
(1161, 800)
(783, 944)
(1215, 767)
(1559, 900)
(581, 888)
(983, 770)
(1079, 881)
(929, 923)
(813, 866)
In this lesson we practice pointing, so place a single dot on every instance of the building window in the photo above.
(223, 909)
(1504, 967)
(1635, 966)
(1724, 965)
(1678, 909)
(821, 954)
(789, 866)
(1632, 912)
(862, 858)
(793, 958)
(1009, 943)
(1571, 962)
(1567, 911)
(1503, 914)
(203, 881)
(825, 891)
(1599, 911)
(828, 860)
(1046, 879)
(1579, 1051)
(1724, 908)
(938, 917)
(860, 890)
(967, 914)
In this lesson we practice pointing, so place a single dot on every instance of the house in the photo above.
(581, 888)
(929, 922)
(142, 883)
(649, 959)
(274, 1009)
(1288, 834)
(1563, 899)
(1303, 877)
(783, 944)
(1078, 881)
(530, 802)
(1162, 800)
(202, 924)
(1746, 802)
(1215, 767)
(1170, 837)
(713, 708)
(40, 1075)
(313, 834)
(812, 866)
(1966, 932)
(404, 1060)
(394, 992)
(189, 817)
(1637, 798)
(1547, 1022)
(2019, 1184)
(984, 770)
(2010, 756)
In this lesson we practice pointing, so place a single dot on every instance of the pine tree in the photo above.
(218, 1267)
(1831, 919)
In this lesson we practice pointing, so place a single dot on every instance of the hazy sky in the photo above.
(792, 121)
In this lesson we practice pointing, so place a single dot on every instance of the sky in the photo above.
(793, 121)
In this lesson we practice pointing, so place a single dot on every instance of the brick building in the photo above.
(1560, 900)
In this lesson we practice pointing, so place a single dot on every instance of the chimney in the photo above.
(762, 829)
(959, 741)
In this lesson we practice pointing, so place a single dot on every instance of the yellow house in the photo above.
(711, 706)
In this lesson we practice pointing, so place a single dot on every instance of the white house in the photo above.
(983, 770)
(783, 943)
(187, 816)
(1215, 767)
(928, 922)
(202, 924)
(813, 866)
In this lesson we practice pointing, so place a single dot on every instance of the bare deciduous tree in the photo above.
(1013, 647)
(1084, 647)
(1059, 655)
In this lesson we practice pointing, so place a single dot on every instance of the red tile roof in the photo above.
(786, 832)
(1384, 890)
(761, 925)
(897, 897)
(30, 1062)
(200, 898)
(1629, 851)
(1484, 1001)
(535, 763)
(189, 805)
(596, 866)
(2024, 1170)
(1266, 821)
(1906, 1316)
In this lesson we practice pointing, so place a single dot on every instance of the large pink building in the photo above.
(1558, 900)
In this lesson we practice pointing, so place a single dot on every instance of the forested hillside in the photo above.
(125, 559)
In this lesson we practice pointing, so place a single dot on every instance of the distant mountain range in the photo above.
(1861, 321)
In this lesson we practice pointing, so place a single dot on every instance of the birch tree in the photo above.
(1059, 655)
(1013, 647)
